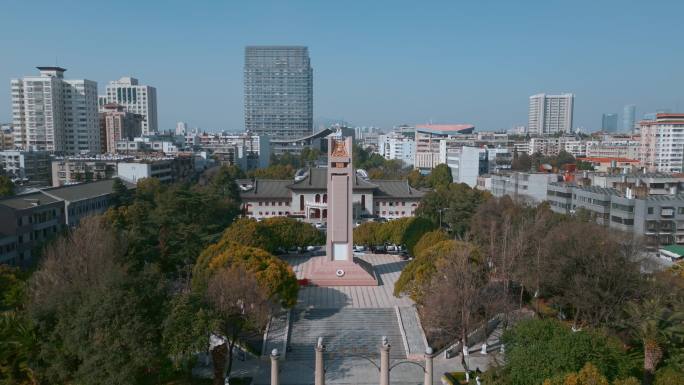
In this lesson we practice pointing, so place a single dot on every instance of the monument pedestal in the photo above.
(325, 272)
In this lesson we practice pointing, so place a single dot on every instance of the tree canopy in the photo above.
(455, 204)
(272, 273)
(403, 231)
(274, 234)
(6, 186)
(537, 350)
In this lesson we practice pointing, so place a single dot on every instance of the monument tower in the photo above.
(338, 267)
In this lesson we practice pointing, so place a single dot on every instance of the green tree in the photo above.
(97, 321)
(6, 186)
(455, 204)
(169, 225)
(429, 239)
(656, 326)
(274, 171)
(440, 176)
(18, 344)
(274, 234)
(121, 194)
(186, 329)
(368, 234)
(416, 179)
(540, 349)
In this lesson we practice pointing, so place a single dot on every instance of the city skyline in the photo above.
(446, 65)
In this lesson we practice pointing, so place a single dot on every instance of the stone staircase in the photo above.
(346, 332)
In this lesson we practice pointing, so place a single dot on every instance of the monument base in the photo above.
(324, 272)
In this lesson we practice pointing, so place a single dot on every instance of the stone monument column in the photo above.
(275, 376)
(319, 374)
(428, 366)
(337, 267)
(384, 362)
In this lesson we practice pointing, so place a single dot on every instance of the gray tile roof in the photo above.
(396, 189)
(316, 179)
(267, 188)
(25, 201)
(81, 191)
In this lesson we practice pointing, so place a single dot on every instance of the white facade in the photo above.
(522, 186)
(550, 114)
(662, 143)
(132, 172)
(54, 114)
(396, 146)
(466, 164)
(137, 99)
(181, 128)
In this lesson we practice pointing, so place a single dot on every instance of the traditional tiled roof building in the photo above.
(306, 197)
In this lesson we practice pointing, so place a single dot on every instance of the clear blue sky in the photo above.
(375, 62)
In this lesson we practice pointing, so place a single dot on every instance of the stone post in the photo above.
(428, 366)
(384, 362)
(319, 374)
(275, 376)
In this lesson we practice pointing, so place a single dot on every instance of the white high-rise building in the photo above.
(662, 143)
(181, 128)
(550, 114)
(55, 114)
(136, 99)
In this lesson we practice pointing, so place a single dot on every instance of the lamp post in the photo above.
(440, 215)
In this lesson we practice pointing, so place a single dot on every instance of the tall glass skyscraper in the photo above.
(609, 123)
(278, 91)
(628, 118)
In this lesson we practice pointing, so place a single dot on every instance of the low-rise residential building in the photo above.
(28, 220)
(246, 150)
(84, 199)
(624, 146)
(306, 197)
(522, 186)
(70, 170)
(26, 167)
(611, 164)
(657, 218)
(76, 169)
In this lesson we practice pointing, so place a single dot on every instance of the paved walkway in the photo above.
(387, 267)
(341, 302)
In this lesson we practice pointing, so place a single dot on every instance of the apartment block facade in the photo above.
(55, 114)
(550, 114)
(136, 99)
(662, 143)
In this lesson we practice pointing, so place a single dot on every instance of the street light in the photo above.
(440, 215)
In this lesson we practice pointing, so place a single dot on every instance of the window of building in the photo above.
(650, 210)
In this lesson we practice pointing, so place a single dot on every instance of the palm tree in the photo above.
(654, 323)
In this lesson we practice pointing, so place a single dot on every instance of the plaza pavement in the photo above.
(349, 370)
